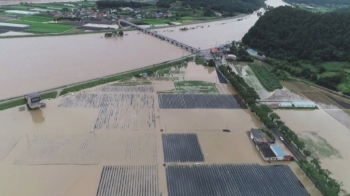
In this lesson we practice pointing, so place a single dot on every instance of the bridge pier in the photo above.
(172, 41)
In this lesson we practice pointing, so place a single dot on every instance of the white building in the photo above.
(278, 152)
(285, 105)
(304, 104)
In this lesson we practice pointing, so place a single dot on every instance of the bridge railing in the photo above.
(162, 36)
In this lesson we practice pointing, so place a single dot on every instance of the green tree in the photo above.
(300, 144)
(65, 9)
(307, 153)
(274, 116)
(316, 162)
(211, 63)
(120, 33)
(324, 172)
(321, 70)
(314, 77)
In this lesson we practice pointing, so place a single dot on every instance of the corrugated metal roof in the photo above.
(277, 150)
(304, 102)
(285, 104)
(257, 133)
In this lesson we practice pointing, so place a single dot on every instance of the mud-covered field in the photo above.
(116, 140)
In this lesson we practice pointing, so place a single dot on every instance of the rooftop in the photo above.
(303, 102)
(33, 95)
(257, 133)
(266, 150)
(277, 150)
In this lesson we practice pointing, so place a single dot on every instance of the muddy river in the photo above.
(36, 64)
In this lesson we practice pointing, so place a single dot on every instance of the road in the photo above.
(297, 155)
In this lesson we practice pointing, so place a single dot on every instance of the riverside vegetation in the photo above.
(321, 177)
(297, 50)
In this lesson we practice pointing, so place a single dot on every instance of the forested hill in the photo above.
(223, 6)
(321, 2)
(287, 32)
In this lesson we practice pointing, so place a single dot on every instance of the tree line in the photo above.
(320, 2)
(327, 185)
(116, 4)
(226, 7)
(280, 68)
(287, 32)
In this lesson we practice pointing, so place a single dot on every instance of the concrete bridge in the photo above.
(162, 37)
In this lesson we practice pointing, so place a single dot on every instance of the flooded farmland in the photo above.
(73, 140)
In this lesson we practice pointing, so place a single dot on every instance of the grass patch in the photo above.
(194, 87)
(319, 146)
(50, 95)
(17, 7)
(335, 66)
(200, 61)
(21, 101)
(150, 71)
(36, 27)
(13, 103)
(131, 83)
(37, 18)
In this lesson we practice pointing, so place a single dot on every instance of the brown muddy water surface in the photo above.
(63, 156)
(34, 64)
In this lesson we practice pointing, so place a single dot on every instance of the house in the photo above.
(127, 9)
(278, 152)
(231, 57)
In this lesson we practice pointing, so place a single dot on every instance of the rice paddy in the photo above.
(7, 143)
(117, 111)
(89, 149)
(195, 87)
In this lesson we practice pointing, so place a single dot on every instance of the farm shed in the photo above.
(257, 136)
(285, 105)
(266, 152)
(278, 152)
(304, 104)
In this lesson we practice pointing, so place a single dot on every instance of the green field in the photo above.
(322, 9)
(37, 27)
(195, 87)
(331, 69)
(267, 78)
(37, 18)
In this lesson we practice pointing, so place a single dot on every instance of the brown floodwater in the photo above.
(37, 115)
(40, 63)
(200, 73)
(212, 34)
(35, 64)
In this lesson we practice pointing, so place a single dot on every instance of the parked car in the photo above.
(281, 138)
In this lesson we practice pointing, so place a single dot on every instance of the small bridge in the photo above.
(162, 37)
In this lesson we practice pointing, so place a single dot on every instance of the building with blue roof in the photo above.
(278, 152)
